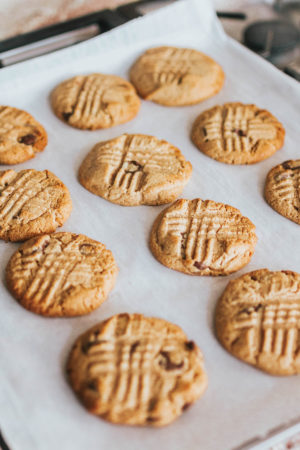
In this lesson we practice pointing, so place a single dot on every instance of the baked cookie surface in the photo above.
(282, 189)
(31, 203)
(174, 76)
(95, 101)
(21, 136)
(136, 370)
(258, 320)
(62, 274)
(202, 237)
(236, 133)
(135, 169)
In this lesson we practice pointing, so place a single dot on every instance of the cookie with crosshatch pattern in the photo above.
(135, 169)
(202, 237)
(95, 101)
(282, 189)
(174, 76)
(61, 274)
(32, 202)
(21, 136)
(136, 370)
(236, 133)
(258, 320)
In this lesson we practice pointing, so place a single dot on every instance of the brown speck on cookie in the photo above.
(28, 139)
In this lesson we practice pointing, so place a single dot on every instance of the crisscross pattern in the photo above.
(62, 274)
(258, 320)
(176, 76)
(171, 65)
(203, 237)
(21, 136)
(135, 169)
(237, 134)
(95, 101)
(136, 370)
(31, 203)
(282, 189)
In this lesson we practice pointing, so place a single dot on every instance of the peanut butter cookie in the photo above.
(32, 202)
(21, 136)
(202, 237)
(282, 189)
(175, 76)
(235, 133)
(258, 320)
(135, 169)
(95, 101)
(61, 274)
(136, 370)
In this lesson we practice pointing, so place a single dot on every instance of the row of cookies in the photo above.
(193, 236)
(169, 76)
(98, 101)
(166, 363)
(140, 169)
(233, 133)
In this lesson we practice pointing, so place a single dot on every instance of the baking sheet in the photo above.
(37, 408)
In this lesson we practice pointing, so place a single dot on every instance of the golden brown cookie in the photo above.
(282, 189)
(202, 237)
(235, 133)
(258, 320)
(31, 203)
(95, 101)
(21, 136)
(61, 274)
(136, 370)
(175, 76)
(135, 169)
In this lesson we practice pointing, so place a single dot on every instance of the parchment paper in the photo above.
(38, 410)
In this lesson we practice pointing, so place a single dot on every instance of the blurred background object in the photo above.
(22, 16)
(271, 29)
